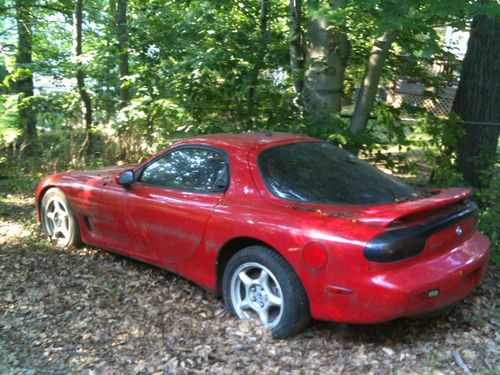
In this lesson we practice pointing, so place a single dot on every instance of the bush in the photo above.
(489, 217)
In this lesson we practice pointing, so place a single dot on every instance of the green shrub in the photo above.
(489, 217)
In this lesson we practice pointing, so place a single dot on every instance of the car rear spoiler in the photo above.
(387, 215)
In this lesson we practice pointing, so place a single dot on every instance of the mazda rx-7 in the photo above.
(284, 226)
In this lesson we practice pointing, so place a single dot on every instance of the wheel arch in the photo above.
(40, 196)
(230, 248)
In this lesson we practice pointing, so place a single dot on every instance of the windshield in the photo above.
(318, 172)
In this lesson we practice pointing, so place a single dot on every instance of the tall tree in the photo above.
(24, 83)
(259, 59)
(296, 45)
(80, 74)
(371, 79)
(326, 57)
(478, 100)
(122, 44)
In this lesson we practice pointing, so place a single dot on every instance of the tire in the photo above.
(259, 283)
(58, 219)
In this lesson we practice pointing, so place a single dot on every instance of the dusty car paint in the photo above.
(192, 234)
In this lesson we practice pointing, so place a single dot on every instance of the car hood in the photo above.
(82, 177)
(101, 172)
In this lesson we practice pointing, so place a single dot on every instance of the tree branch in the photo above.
(40, 6)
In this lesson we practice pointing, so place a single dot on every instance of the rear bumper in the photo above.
(408, 289)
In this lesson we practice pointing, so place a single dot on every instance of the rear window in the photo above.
(318, 172)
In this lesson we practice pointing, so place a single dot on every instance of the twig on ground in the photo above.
(460, 363)
(41, 371)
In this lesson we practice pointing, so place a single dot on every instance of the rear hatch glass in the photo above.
(319, 172)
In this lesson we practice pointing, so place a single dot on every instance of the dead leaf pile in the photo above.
(86, 311)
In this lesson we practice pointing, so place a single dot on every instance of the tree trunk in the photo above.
(122, 38)
(110, 76)
(296, 46)
(80, 74)
(24, 84)
(259, 59)
(369, 86)
(326, 57)
(478, 101)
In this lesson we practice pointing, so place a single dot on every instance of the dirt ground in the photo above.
(86, 311)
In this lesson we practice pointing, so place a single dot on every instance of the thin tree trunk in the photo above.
(296, 46)
(122, 38)
(371, 79)
(80, 74)
(478, 101)
(259, 59)
(326, 57)
(110, 61)
(24, 85)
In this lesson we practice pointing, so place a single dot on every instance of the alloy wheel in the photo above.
(256, 293)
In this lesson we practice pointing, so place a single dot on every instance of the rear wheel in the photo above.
(58, 220)
(259, 284)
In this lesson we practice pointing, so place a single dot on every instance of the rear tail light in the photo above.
(402, 243)
(382, 249)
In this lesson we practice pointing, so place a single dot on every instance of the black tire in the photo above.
(294, 313)
(52, 197)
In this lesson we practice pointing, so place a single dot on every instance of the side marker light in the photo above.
(334, 289)
(433, 293)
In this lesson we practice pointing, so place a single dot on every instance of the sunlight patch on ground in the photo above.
(10, 230)
(17, 200)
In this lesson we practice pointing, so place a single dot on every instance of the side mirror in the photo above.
(126, 178)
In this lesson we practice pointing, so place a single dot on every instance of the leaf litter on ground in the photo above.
(87, 311)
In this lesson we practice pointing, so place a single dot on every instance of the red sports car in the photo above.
(287, 227)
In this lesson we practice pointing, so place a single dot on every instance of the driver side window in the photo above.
(193, 169)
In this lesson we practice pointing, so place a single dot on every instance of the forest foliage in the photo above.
(138, 74)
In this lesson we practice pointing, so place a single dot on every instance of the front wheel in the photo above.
(258, 283)
(58, 220)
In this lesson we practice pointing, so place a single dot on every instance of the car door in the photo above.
(107, 224)
(172, 199)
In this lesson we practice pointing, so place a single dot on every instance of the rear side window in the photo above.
(194, 169)
(318, 172)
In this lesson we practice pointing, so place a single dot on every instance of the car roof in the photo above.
(246, 140)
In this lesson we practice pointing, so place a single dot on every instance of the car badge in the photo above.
(458, 230)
